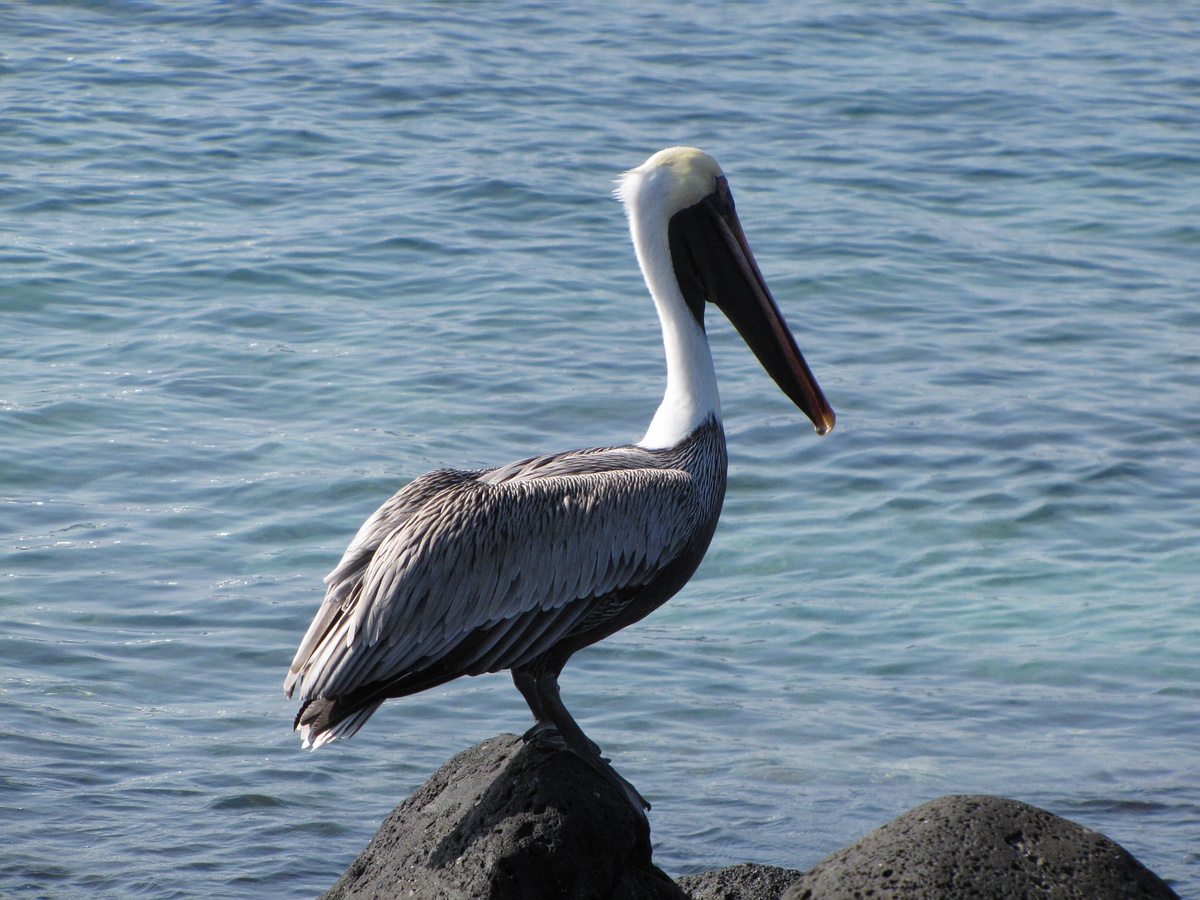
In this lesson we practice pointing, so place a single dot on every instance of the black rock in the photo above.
(505, 819)
(980, 847)
(748, 881)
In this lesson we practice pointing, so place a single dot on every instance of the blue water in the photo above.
(261, 263)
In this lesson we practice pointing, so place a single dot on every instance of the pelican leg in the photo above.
(542, 694)
(546, 726)
(543, 728)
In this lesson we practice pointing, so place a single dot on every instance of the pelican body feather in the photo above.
(462, 573)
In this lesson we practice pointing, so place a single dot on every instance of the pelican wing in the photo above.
(483, 571)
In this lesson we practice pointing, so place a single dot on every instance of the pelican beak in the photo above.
(713, 262)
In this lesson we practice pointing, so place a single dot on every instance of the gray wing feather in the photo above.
(521, 553)
(331, 627)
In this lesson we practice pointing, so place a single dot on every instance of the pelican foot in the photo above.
(548, 733)
(545, 733)
(604, 768)
(640, 804)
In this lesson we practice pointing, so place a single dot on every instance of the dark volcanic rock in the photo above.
(506, 819)
(748, 881)
(980, 847)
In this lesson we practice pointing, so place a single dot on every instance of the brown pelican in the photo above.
(518, 567)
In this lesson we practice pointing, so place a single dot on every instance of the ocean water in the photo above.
(263, 262)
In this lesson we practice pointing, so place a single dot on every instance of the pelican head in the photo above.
(692, 250)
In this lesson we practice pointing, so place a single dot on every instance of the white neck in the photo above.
(691, 397)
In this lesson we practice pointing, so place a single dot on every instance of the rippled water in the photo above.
(264, 262)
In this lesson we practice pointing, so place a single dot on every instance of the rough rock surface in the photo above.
(748, 881)
(980, 847)
(505, 819)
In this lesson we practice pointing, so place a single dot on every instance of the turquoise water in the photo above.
(262, 263)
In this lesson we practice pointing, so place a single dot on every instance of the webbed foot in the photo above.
(545, 733)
